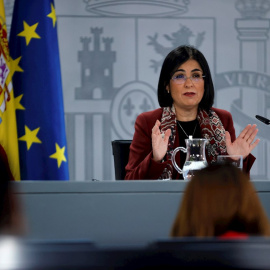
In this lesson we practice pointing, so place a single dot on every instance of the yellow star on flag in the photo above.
(14, 64)
(17, 101)
(59, 155)
(30, 137)
(52, 15)
(29, 32)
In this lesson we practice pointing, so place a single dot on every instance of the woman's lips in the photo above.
(189, 94)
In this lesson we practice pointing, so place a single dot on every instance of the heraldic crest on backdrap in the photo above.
(121, 47)
(100, 58)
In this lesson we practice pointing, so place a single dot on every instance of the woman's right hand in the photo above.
(159, 142)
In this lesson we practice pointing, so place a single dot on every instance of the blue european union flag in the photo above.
(38, 91)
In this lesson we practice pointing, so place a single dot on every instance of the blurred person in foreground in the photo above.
(12, 221)
(220, 200)
(185, 95)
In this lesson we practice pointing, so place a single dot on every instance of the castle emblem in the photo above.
(97, 67)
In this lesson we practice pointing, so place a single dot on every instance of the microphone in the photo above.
(263, 119)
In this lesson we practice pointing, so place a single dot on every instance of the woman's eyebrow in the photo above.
(195, 69)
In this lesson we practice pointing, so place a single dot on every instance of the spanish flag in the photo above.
(9, 155)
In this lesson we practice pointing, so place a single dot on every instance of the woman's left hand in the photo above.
(243, 144)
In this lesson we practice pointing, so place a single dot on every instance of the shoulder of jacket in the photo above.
(221, 112)
(154, 113)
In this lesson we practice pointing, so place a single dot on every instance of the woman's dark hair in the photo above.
(218, 199)
(173, 60)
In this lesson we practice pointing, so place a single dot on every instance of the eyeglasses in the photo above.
(181, 78)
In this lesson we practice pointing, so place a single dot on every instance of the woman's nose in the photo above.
(188, 82)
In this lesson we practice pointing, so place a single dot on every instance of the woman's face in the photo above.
(187, 94)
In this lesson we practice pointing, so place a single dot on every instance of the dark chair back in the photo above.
(120, 149)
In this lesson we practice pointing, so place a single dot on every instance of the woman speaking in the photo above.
(185, 96)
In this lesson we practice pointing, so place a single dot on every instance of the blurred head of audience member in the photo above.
(12, 221)
(220, 200)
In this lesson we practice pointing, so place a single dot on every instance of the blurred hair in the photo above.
(173, 60)
(5, 204)
(11, 217)
(12, 221)
(220, 198)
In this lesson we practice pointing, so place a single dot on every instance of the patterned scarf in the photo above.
(211, 129)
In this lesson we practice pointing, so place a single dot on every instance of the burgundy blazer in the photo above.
(141, 165)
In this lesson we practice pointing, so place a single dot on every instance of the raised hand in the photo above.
(243, 144)
(159, 142)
